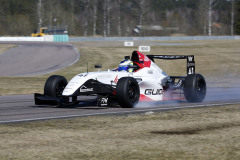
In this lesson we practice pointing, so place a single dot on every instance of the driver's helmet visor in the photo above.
(123, 68)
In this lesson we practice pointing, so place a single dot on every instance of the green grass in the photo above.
(206, 133)
(217, 60)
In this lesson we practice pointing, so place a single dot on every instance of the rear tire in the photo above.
(195, 88)
(55, 85)
(127, 92)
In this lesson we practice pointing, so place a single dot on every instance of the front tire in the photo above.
(127, 92)
(55, 85)
(195, 88)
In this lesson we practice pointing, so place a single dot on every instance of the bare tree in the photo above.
(104, 19)
(210, 18)
(108, 18)
(94, 17)
(142, 13)
(202, 15)
(232, 18)
(72, 16)
(85, 32)
(49, 13)
(212, 4)
(119, 17)
(39, 8)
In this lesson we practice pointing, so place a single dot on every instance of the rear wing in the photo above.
(190, 60)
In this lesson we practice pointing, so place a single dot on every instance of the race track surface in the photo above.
(30, 59)
(20, 108)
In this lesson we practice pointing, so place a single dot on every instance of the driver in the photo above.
(126, 65)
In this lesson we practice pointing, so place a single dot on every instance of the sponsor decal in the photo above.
(85, 89)
(116, 79)
(190, 59)
(191, 70)
(168, 57)
(82, 75)
(191, 64)
(146, 59)
(150, 72)
(104, 101)
(153, 92)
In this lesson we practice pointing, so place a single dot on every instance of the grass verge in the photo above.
(206, 133)
(217, 60)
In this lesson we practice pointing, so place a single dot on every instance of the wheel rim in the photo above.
(201, 87)
(59, 89)
(132, 92)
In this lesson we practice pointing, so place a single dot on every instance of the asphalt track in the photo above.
(31, 59)
(21, 108)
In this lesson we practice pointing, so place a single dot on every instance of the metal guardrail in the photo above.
(47, 38)
(184, 38)
(66, 38)
(60, 38)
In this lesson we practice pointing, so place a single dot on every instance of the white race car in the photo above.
(135, 79)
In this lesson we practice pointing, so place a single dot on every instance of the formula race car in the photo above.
(137, 78)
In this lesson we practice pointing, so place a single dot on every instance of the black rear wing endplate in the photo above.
(190, 60)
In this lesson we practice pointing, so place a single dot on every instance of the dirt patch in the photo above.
(5, 47)
(197, 129)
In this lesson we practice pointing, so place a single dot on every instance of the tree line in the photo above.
(121, 17)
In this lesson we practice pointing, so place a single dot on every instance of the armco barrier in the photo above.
(60, 38)
(47, 38)
(35, 39)
(65, 38)
(183, 38)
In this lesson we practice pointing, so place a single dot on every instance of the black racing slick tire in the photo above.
(55, 85)
(127, 92)
(195, 88)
